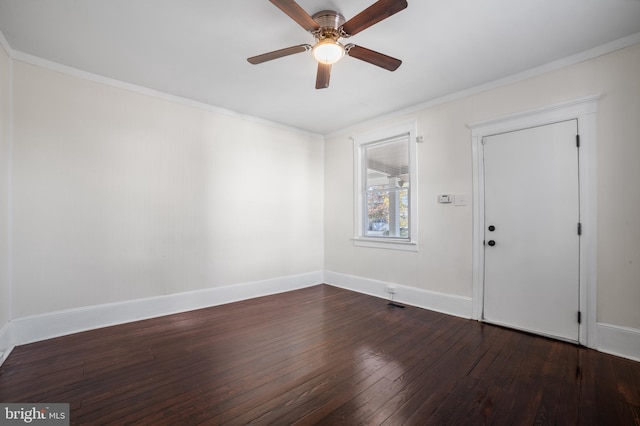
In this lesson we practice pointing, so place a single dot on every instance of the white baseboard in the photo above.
(612, 339)
(6, 342)
(54, 324)
(619, 341)
(446, 303)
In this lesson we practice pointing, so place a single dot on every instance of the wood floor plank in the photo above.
(434, 378)
(321, 355)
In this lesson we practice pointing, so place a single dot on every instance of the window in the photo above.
(385, 188)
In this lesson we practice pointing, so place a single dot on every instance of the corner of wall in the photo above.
(4, 44)
(6, 342)
(6, 136)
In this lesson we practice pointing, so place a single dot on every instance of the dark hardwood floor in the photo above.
(321, 355)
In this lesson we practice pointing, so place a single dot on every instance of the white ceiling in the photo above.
(197, 49)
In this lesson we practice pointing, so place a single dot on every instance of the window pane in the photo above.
(388, 213)
(386, 186)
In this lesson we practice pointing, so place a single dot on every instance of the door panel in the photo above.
(532, 199)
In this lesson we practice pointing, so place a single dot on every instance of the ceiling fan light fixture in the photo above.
(327, 51)
(328, 27)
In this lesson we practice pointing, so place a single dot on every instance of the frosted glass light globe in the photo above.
(327, 51)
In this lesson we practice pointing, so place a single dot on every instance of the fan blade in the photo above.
(296, 13)
(373, 57)
(375, 13)
(278, 54)
(324, 73)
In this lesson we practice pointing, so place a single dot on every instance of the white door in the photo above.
(532, 245)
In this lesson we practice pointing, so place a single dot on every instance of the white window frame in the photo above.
(360, 239)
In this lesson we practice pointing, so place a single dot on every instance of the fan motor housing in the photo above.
(329, 20)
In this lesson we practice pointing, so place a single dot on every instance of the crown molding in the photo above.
(514, 78)
(17, 55)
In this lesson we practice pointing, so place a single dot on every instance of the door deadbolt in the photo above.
(492, 228)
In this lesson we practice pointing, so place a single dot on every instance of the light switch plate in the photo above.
(460, 200)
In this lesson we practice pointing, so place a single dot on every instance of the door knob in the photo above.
(491, 243)
(492, 228)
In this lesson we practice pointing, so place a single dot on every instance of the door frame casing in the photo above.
(584, 110)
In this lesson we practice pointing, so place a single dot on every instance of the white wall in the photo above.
(444, 261)
(5, 125)
(618, 78)
(118, 196)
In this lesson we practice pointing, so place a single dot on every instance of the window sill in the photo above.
(385, 243)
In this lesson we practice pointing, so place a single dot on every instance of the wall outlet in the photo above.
(392, 289)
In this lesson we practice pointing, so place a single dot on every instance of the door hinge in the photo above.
(579, 317)
(578, 141)
(579, 228)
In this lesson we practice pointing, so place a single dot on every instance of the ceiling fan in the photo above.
(328, 27)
